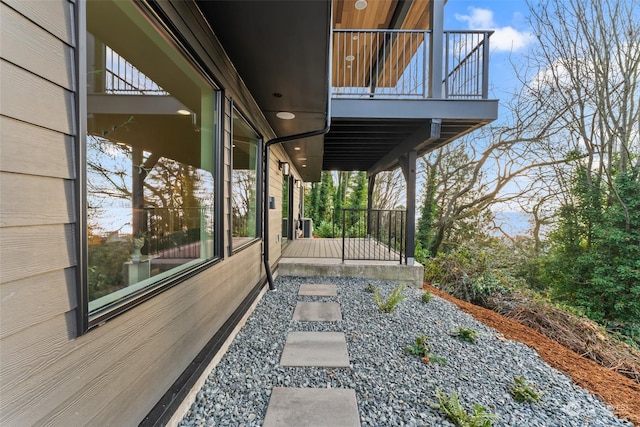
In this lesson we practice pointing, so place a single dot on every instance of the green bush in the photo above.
(522, 391)
(464, 334)
(394, 298)
(326, 230)
(426, 297)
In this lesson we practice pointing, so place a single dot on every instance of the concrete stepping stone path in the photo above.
(314, 407)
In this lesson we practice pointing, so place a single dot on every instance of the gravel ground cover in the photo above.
(393, 388)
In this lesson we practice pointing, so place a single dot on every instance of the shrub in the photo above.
(426, 297)
(421, 348)
(451, 407)
(464, 334)
(522, 391)
(394, 298)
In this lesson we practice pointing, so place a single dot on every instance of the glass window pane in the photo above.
(150, 157)
(244, 181)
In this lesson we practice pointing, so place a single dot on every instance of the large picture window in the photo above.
(151, 121)
(244, 182)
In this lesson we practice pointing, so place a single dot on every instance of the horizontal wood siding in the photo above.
(31, 47)
(53, 292)
(50, 153)
(35, 200)
(35, 100)
(115, 373)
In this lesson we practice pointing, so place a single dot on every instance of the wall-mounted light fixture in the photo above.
(284, 167)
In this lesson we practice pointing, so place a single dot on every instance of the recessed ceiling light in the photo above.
(350, 58)
(361, 4)
(184, 112)
(356, 37)
(285, 115)
(304, 166)
(302, 158)
(297, 148)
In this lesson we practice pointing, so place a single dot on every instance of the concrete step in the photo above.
(312, 407)
(319, 349)
(317, 312)
(318, 290)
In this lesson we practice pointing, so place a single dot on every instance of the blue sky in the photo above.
(512, 37)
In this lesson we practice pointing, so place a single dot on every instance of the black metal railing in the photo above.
(395, 64)
(374, 235)
(466, 64)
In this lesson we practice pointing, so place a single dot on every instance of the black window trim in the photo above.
(85, 320)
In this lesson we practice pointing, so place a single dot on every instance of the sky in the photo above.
(511, 39)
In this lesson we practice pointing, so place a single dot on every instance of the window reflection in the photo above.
(149, 157)
(244, 182)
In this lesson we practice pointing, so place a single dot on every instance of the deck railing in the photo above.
(466, 64)
(395, 64)
(374, 235)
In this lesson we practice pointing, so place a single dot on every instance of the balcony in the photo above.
(395, 91)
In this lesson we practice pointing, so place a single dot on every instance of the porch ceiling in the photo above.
(280, 49)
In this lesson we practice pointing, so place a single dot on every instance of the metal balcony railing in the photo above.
(395, 64)
(466, 64)
(374, 235)
(380, 63)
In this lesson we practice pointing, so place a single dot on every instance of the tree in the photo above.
(388, 192)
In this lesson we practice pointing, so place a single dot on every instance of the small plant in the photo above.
(370, 288)
(464, 334)
(450, 405)
(426, 297)
(522, 391)
(421, 348)
(394, 298)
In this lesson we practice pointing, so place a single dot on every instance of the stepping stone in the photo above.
(317, 312)
(312, 407)
(320, 349)
(319, 290)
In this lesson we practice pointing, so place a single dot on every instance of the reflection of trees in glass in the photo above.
(244, 203)
(171, 208)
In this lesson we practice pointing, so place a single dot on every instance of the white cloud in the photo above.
(504, 38)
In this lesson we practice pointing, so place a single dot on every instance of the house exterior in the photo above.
(152, 155)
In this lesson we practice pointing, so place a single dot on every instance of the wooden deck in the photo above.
(355, 249)
(313, 248)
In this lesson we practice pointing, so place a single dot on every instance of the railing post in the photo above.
(402, 241)
(343, 233)
(485, 66)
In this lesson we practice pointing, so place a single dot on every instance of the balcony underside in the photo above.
(372, 134)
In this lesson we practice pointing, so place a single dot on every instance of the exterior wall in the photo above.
(115, 373)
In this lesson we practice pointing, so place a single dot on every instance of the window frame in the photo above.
(234, 109)
(85, 319)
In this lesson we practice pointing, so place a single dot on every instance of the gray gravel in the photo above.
(393, 388)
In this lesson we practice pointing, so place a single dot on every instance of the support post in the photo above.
(436, 49)
(408, 164)
(371, 183)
